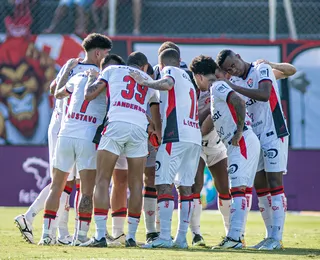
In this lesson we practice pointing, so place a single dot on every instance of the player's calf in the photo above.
(185, 212)
(150, 204)
(165, 207)
(197, 239)
(52, 203)
(86, 204)
(135, 182)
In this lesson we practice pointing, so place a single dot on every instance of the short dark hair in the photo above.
(112, 57)
(150, 70)
(96, 40)
(168, 45)
(203, 65)
(170, 57)
(137, 58)
(222, 55)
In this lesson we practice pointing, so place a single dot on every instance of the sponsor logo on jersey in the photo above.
(158, 165)
(216, 116)
(250, 102)
(220, 131)
(264, 72)
(271, 153)
(232, 168)
(222, 88)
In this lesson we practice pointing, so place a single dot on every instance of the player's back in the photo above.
(128, 100)
(179, 108)
(83, 117)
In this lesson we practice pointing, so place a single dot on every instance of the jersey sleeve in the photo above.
(60, 73)
(167, 72)
(221, 90)
(155, 97)
(264, 71)
(69, 87)
(104, 75)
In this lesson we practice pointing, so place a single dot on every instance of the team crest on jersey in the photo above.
(250, 83)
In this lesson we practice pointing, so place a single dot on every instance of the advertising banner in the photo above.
(25, 172)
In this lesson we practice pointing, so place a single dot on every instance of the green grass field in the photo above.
(301, 241)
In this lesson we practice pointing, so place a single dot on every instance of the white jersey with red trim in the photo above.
(179, 109)
(62, 104)
(223, 114)
(204, 101)
(128, 101)
(83, 117)
(268, 120)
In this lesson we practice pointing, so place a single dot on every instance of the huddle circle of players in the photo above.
(150, 129)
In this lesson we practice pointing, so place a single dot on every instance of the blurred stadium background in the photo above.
(38, 37)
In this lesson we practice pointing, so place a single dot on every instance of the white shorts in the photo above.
(126, 139)
(177, 163)
(121, 163)
(243, 160)
(213, 150)
(274, 156)
(72, 152)
(53, 131)
(151, 158)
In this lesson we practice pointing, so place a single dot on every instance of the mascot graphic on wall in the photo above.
(25, 74)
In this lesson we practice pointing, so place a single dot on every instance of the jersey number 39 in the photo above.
(134, 90)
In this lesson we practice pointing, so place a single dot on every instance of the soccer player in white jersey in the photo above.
(179, 153)
(233, 125)
(214, 155)
(126, 133)
(24, 222)
(96, 47)
(119, 191)
(257, 84)
(119, 177)
(198, 184)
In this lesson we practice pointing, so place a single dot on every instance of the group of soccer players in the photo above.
(153, 129)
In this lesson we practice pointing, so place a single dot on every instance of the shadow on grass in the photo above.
(289, 251)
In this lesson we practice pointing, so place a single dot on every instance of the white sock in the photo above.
(166, 206)
(77, 199)
(63, 223)
(249, 204)
(64, 201)
(100, 219)
(237, 215)
(83, 225)
(224, 203)
(37, 205)
(49, 219)
(149, 209)
(264, 203)
(118, 220)
(157, 219)
(186, 206)
(196, 215)
(133, 222)
(278, 205)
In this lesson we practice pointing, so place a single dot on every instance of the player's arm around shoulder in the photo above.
(165, 83)
(95, 85)
(240, 109)
(64, 91)
(281, 70)
(63, 75)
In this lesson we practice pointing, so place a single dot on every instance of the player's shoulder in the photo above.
(263, 69)
(220, 86)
